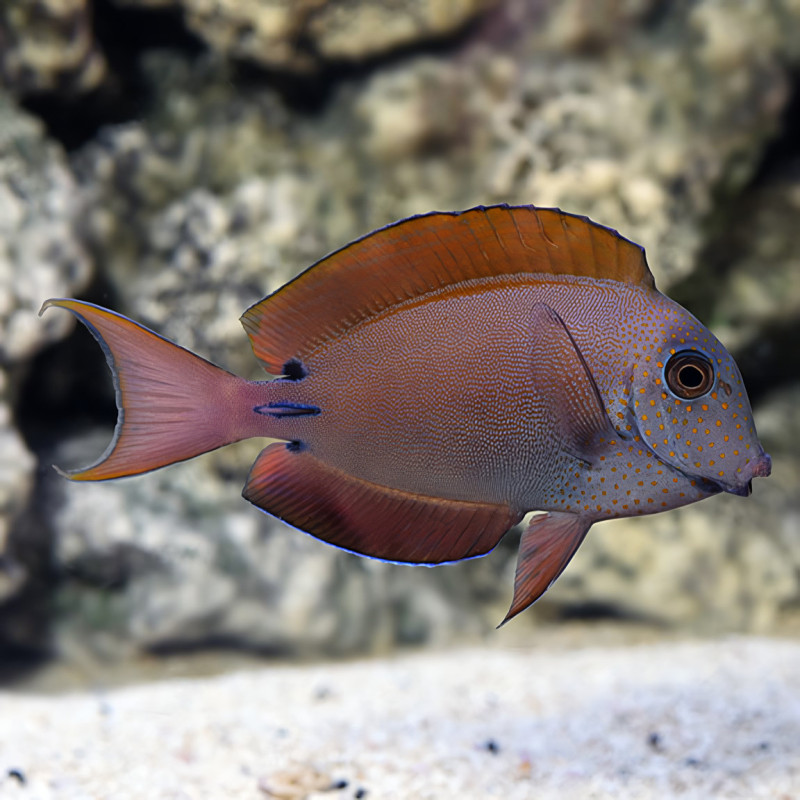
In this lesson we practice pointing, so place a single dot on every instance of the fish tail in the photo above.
(172, 405)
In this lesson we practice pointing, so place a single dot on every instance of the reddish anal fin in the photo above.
(546, 547)
(293, 485)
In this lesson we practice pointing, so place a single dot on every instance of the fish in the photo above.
(436, 380)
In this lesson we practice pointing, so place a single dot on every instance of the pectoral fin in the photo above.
(561, 374)
(546, 547)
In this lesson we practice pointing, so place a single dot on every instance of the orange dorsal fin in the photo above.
(428, 253)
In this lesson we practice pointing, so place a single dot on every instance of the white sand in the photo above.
(704, 720)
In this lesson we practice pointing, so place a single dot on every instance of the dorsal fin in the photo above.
(427, 253)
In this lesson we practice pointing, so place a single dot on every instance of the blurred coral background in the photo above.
(177, 160)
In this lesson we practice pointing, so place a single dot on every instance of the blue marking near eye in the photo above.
(280, 410)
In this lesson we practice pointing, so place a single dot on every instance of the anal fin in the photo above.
(546, 547)
(356, 515)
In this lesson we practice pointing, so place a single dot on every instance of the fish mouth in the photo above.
(744, 490)
(760, 468)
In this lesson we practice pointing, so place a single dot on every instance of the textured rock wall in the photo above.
(649, 117)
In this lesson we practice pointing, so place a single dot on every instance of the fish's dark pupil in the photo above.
(690, 376)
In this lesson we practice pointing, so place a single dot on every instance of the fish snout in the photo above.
(763, 466)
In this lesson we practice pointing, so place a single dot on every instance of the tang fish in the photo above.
(439, 378)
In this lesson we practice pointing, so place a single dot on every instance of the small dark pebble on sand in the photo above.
(655, 741)
(18, 775)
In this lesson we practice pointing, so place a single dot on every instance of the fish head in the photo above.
(691, 406)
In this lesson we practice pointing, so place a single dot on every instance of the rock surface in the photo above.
(40, 256)
(656, 720)
(47, 46)
(221, 190)
(301, 35)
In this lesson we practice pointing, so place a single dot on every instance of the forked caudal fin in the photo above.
(172, 405)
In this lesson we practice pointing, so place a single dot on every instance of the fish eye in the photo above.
(689, 375)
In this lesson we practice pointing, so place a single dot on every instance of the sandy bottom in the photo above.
(717, 719)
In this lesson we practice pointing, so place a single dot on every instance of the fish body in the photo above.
(441, 377)
(447, 402)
